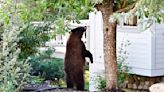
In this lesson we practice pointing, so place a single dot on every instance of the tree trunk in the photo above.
(109, 31)
(110, 54)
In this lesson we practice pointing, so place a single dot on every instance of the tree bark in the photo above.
(109, 31)
(110, 54)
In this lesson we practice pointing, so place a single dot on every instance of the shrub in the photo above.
(32, 38)
(101, 83)
(51, 69)
(13, 72)
(47, 67)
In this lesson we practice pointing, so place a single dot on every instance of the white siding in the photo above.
(139, 51)
(159, 43)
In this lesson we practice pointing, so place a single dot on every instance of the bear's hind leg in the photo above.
(69, 81)
(79, 81)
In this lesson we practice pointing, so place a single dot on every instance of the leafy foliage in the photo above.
(32, 38)
(151, 9)
(13, 72)
(122, 67)
(57, 11)
(47, 13)
(101, 83)
(47, 67)
(32, 35)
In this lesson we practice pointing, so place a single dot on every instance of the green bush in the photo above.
(101, 83)
(47, 67)
(32, 38)
(50, 69)
(13, 72)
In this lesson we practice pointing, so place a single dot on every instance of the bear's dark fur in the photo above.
(75, 59)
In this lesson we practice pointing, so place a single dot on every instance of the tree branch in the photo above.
(130, 7)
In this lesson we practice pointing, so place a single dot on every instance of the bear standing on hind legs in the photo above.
(75, 59)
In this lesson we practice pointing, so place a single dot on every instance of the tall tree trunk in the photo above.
(109, 31)
(110, 54)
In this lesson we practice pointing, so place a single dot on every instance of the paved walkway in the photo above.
(59, 52)
(58, 55)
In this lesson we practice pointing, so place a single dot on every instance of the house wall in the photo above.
(159, 48)
(159, 41)
(138, 52)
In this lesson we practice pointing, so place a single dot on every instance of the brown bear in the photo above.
(75, 59)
